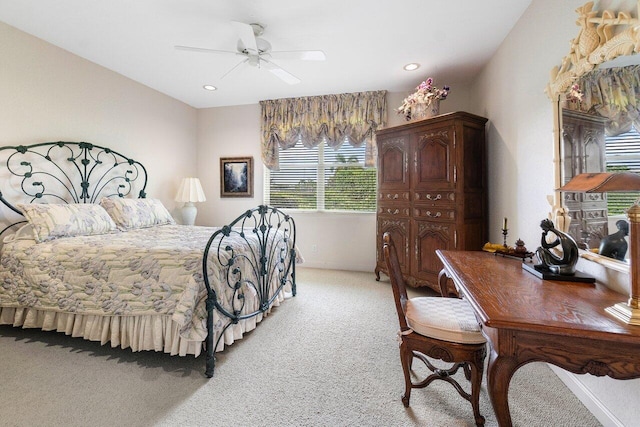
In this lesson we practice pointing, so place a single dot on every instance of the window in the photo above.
(623, 155)
(322, 178)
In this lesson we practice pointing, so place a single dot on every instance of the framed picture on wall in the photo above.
(236, 177)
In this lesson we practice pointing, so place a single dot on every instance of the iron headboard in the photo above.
(69, 172)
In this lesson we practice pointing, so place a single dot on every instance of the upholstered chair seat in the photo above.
(446, 319)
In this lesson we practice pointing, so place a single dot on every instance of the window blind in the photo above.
(322, 178)
(622, 155)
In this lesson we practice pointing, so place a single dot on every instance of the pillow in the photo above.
(24, 233)
(51, 221)
(136, 213)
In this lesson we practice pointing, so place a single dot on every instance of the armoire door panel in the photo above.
(399, 230)
(433, 160)
(393, 163)
(427, 238)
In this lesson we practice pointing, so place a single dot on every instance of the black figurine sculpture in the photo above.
(562, 263)
(615, 245)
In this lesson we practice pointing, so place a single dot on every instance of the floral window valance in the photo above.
(348, 117)
(613, 93)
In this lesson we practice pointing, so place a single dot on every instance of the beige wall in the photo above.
(48, 94)
(510, 92)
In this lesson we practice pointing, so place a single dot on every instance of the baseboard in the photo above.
(588, 399)
(330, 266)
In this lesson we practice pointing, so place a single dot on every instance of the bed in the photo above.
(85, 252)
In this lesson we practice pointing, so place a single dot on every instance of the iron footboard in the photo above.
(255, 260)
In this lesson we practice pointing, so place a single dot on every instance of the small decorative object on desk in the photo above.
(505, 231)
(521, 248)
(520, 251)
(558, 256)
(424, 102)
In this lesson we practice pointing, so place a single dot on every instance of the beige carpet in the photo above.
(327, 357)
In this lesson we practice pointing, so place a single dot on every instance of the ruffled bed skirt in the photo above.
(140, 333)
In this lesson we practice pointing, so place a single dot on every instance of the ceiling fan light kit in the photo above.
(257, 52)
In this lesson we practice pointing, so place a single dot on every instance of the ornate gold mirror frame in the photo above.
(603, 36)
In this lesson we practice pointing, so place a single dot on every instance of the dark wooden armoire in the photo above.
(583, 150)
(432, 192)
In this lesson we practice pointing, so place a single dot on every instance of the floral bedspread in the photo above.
(155, 270)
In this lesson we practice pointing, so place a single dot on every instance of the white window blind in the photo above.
(623, 155)
(322, 178)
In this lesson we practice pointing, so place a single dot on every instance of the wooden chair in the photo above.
(440, 328)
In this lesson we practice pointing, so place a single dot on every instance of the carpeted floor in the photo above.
(327, 357)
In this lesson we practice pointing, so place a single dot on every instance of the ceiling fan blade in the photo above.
(282, 74)
(234, 67)
(245, 32)
(202, 49)
(305, 55)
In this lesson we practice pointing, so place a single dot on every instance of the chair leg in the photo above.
(406, 357)
(467, 372)
(477, 369)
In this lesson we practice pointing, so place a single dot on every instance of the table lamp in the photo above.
(190, 192)
(628, 312)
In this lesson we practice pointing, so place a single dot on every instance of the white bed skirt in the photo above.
(140, 333)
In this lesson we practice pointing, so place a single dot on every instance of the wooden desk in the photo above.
(527, 319)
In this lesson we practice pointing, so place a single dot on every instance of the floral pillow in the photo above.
(51, 221)
(136, 213)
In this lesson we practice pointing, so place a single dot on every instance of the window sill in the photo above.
(324, 212)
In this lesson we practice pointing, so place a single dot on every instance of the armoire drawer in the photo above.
(394, 196)
(438, 197)
(394, 210)
(434, 213)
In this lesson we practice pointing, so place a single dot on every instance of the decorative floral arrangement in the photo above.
(425, 93)
(575, 94)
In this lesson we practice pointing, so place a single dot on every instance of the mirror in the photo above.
(604, 39)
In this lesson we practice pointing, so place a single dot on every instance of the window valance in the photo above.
(348, 117)
(613, 93)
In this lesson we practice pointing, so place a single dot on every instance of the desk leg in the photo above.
(500, 369)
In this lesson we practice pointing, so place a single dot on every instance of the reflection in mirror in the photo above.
(603, 36)
(599, 134)
(615, 245)
(583, 150)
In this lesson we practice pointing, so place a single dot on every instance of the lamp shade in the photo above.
(190, 191)
(603, 182)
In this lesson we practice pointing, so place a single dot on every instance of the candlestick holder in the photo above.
(505, 232)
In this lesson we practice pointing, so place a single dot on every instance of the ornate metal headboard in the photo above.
(66, 172)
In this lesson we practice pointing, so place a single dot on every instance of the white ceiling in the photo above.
(366, 42)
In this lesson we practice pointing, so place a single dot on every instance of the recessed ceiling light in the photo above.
(209, 87)
(412, 66)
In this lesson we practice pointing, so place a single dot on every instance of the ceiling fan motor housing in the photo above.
(258, 29)
(263, 46)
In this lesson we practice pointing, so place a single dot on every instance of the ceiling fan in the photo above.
(257, 52)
